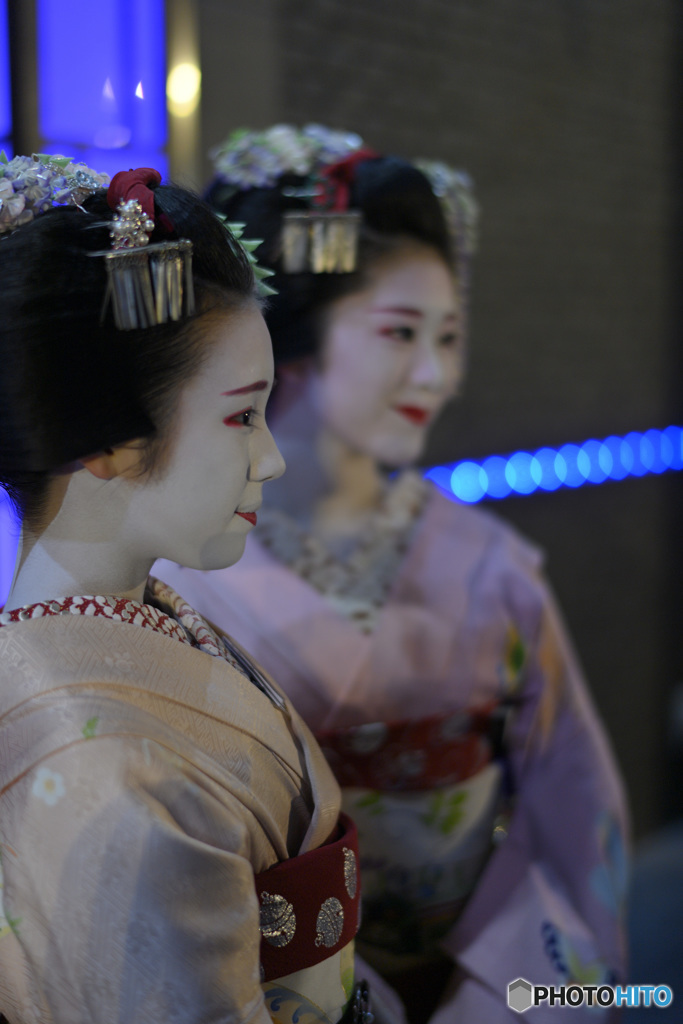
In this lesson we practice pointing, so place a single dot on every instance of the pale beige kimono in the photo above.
(143, 782)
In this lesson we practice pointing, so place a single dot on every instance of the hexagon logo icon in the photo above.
(519, 995)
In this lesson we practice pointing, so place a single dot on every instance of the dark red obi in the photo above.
(441, 750)
(310, 904)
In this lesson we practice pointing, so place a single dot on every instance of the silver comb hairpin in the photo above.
(146, 284)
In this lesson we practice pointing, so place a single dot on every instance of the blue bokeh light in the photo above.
(523, 473)
(672, 443)
(576, 465)
(627, 456)
(5, 86)
(9, 537)
(606, 459)
(632, 440)
(591, 452)
(572, 465)
(469, 482)
(546, 459)
(497, 486)
(612, 446)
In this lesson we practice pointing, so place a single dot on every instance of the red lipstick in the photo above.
(249, 516)
(414, 413)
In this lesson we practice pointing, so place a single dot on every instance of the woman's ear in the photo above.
(113, 462)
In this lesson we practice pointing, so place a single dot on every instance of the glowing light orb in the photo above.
(182, 89)
(469, 482)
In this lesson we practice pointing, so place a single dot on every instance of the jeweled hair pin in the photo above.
(147, 284)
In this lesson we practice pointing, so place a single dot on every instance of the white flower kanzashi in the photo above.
(11, 207)
(30, 185)
(250, 159)
(48, 786)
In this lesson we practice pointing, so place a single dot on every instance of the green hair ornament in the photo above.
(249, 245)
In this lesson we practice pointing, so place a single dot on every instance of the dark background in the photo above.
(567, 114)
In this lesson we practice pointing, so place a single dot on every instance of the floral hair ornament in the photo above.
(30, 185)
(146, 284)
(322, 239)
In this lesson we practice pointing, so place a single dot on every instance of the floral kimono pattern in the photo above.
(148, 772)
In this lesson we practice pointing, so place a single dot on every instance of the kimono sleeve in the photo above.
(130, 892)
(549, 906)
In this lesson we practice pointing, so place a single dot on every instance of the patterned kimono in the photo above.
(432, 663)
(148, 772)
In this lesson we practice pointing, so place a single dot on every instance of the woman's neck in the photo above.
(329, 488)
(79, 548)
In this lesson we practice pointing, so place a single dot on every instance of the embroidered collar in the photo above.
(163, 611)
(356, 585)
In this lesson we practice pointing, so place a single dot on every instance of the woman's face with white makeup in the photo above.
(392, 356)
(199, 510)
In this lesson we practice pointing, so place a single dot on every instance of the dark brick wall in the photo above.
(562, 110)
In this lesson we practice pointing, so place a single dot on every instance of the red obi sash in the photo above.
(441, 750)
(310, 904)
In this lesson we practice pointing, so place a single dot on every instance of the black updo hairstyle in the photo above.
(398, 206)
(71, 385)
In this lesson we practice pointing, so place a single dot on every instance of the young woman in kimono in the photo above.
(417, 636)
(170, 833)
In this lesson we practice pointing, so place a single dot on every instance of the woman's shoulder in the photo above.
(132, 698)
(487, 537)
(140, 682)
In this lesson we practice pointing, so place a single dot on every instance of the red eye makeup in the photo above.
(238, 418)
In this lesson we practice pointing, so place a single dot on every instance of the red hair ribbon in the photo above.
(340, 176)
(133, 184)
